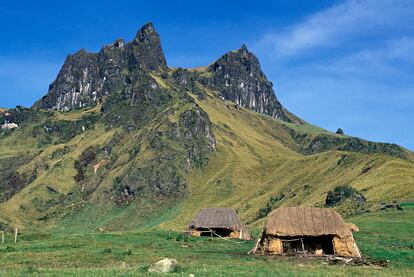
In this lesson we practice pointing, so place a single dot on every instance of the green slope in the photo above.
(255, 162)
(74, 170)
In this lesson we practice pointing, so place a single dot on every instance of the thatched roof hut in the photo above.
(311, 230)
(222, 222)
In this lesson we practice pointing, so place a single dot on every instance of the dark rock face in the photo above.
(385, 206)
(341, 193)
(196, 136)
(179, 146)
(11, 181)
(145, 50)
(78, 83)
(340, 131)
(238, 77)
(310, 144)
(86, 78)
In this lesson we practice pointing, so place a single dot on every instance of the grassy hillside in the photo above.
(255, 162)
(259, 164)
(383, 235)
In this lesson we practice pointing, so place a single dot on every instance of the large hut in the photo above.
(218, 222)
(308, 231)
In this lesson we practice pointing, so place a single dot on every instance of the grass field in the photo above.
(383, 235)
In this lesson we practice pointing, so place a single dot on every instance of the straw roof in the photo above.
(225, 218)
(298, 221)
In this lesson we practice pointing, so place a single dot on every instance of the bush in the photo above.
(341, 193)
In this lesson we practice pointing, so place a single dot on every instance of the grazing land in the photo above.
(385, 235)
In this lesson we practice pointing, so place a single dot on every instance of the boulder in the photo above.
(8, 126)
(385, 206)
(164, 266)
(340, 131)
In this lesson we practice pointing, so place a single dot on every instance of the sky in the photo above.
(337, 63)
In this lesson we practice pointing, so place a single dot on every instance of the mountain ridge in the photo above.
(85, 78)
(120, 139)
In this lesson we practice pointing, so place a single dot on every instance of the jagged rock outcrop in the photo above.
(238, 77)
(145, 50)
(340, 131)
(78, 83)
(341, 193)
(88, 78)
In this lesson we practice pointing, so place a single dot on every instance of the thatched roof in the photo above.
(225, 218)
(297, 221)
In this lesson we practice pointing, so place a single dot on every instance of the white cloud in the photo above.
(348, 66)
(339, 24)
(387, 60)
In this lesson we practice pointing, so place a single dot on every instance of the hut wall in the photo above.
(346, 247)
(275, 246)
(234, 235)
(195, 233)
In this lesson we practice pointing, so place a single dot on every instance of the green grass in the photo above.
(388, 235)
(252, 164)
(383, 235)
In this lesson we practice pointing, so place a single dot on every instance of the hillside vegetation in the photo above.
(257, 166)
(122, 141)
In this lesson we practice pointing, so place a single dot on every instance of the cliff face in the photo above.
(238, 77)
(87, 78)
(77, 84)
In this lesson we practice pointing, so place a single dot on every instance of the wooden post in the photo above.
(2, 236)
(303, 246)
(15, 235)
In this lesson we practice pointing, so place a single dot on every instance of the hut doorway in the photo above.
(320, 245)
(215, 232)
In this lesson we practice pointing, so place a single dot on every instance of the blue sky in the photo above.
(345, 64)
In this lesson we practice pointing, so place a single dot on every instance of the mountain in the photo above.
(122, 140)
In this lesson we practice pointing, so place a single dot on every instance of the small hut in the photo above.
(218, 222)
(307, 231)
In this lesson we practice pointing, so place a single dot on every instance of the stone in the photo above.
(164, 266)
(340, 131)
(8, 126)
(385, 206)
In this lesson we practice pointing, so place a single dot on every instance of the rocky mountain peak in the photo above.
(238, 77)
(87, 78)
(148, 30)
(146, 49)
(243, 49)
(119, 43)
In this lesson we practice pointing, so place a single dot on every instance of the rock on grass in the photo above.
(164, 266)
